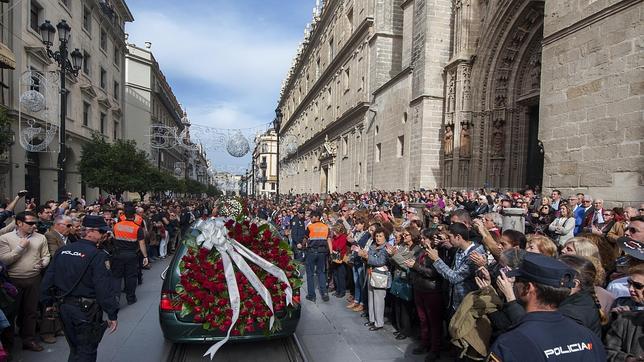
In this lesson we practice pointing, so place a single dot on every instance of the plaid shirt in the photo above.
(461, 275)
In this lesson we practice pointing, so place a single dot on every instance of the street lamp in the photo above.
(66, 66)
(262, 179)
(277, 122)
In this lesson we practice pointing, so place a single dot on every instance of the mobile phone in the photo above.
(23, 193)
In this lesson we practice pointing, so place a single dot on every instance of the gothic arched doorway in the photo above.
(508, 113)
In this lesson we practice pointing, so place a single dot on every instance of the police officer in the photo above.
(298, 232)
(79, 280)
(544, 334)
(129, 238)
(318, 247)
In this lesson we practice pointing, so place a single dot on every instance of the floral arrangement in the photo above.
(204, 286)
(231, 207)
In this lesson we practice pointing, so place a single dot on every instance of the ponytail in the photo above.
(602, 315)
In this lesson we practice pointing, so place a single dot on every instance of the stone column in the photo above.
(513, 219)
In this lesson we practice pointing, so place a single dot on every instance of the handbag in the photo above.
(401, 288)
(378, 278)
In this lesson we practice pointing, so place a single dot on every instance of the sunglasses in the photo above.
(636, 285)
(67, 225)
(30, 223)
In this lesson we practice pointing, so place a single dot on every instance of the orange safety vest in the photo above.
(126, 230)
(137, 219)
(318, 231)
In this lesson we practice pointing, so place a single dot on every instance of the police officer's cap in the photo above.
(631, 247)
(544, 270)
(95, 222)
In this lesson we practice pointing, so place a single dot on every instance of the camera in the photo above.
(22, 193)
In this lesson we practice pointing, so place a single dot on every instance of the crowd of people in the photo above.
(32, 240)
(440, 267)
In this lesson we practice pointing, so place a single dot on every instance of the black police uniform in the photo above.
(298, 232)
(87, 301)
(548, 336)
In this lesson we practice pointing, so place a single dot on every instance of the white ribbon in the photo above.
(215, 234)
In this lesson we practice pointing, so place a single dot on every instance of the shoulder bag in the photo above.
(379, 277)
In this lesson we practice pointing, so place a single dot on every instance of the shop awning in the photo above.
(7, 58)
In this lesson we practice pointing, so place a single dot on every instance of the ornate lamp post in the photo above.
(277, 122)
(66, 66)
(262, 178)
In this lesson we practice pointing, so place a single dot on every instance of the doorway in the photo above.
(324, 179)
(32, 176)
(534, 164)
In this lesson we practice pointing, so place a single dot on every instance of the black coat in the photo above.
(581, 307)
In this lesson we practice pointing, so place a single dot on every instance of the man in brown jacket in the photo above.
(25, 253)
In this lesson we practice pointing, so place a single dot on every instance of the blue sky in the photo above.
(225, 59)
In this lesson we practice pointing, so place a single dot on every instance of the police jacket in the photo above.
(126, 236)
(548, 336)
(68, 265)
(298, 232)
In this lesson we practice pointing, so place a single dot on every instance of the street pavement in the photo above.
(329, 332)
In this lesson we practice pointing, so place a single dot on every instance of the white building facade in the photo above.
(95, 98)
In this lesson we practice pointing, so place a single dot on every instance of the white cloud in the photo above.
(227, 65)
(217, 49)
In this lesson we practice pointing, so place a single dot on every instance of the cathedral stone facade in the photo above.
(393, 94)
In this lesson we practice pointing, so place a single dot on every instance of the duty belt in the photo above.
(78, 300)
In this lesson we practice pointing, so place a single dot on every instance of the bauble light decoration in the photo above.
(237, 145)
(33, 101)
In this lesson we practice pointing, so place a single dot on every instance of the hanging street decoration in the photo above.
(237, 145)
(37, 114)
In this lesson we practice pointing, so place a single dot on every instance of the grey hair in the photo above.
(496, 218)
(62, 219)
(588, 198)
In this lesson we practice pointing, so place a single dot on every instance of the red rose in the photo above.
(198, 319)
(235, 332)
(222, 302)
(250, 328)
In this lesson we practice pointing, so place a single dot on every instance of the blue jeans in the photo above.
(315, 264)
(358, 280)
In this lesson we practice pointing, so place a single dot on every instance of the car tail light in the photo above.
(168, 302)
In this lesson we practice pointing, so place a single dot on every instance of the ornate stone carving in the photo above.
(465, 144)
(498, 137)
(467, 87)
(535, 68)
(448, 139)
(451, 91)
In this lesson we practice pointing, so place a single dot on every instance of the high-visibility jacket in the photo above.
(137, 219)
(318, 234)
(126, 235)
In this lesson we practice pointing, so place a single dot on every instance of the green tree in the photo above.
(115, 167)
(5, 130)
